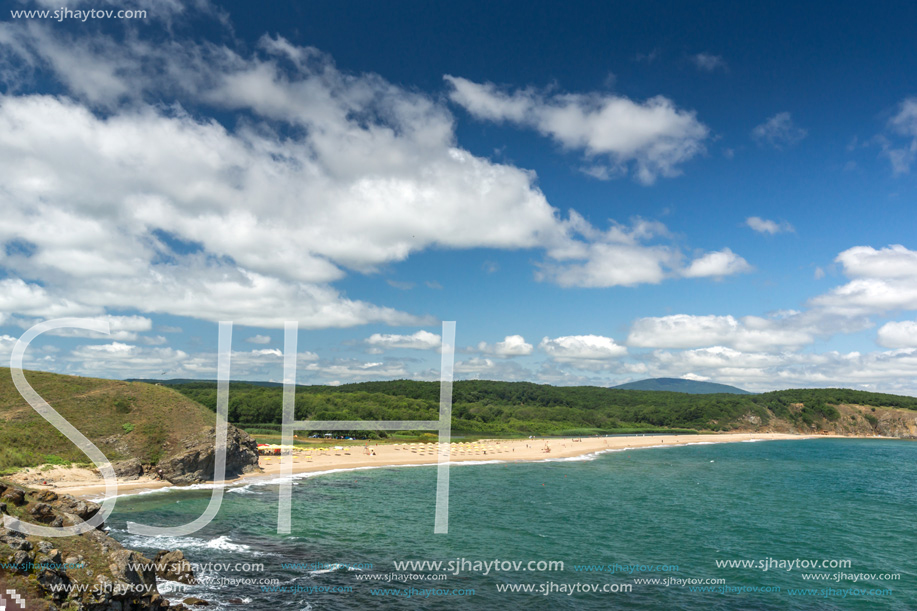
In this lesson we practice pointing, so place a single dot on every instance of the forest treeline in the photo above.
(481, 406)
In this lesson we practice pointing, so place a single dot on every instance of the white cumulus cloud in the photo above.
(422, 340)
(127, 202)
(717, 265)
(123, 328)
(750, 333)
(898, 334)
(883, 280)
(882, 371)
(894, 261)
(654, 137)
(767, 226)
(512, 345)
(573, 348)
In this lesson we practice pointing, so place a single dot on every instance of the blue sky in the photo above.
(595, 192)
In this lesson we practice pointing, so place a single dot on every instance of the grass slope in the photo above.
(124, 419)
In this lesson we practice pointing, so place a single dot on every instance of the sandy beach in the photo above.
(515, 450)
(84, 483)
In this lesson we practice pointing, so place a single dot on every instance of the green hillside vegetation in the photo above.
(680, 385)
(147, 421)
(124, 419)
(489, 407)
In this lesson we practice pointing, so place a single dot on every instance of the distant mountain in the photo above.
(691, 387)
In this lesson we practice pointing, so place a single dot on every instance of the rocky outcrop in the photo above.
(196, 602)
(55, 582)
(194, 463)
(14, 496)
(46, 496)
(173, 566)
(128, 469)
(860, 420)
(41, 512)
(110, 577)
(81, 509)
(129, 567)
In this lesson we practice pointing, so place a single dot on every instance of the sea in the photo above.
(773, 525)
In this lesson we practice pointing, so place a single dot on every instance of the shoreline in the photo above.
(87, 485)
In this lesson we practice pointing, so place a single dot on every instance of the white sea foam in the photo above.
(166, 489)
(222, 543)
(269, 481)
(582, 458)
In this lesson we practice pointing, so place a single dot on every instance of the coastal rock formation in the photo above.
(14, 496)
(55, 582)
(20, 560)
(131, 568)
(99, 575)
(82, 509)
(46, 496)
(173, 566)
(194, 463)
(196, 602)
(128, 469)
(41, 512)
(850, 419)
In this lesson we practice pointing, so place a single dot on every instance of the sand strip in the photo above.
(83, 483)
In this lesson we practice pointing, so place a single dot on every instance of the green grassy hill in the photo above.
(692, 387)
(124, 419)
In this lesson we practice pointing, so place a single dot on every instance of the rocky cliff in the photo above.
(194, 458)
(90, 572)
(850, 420)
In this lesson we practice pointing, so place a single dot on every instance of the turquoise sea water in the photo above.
(686, 507)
